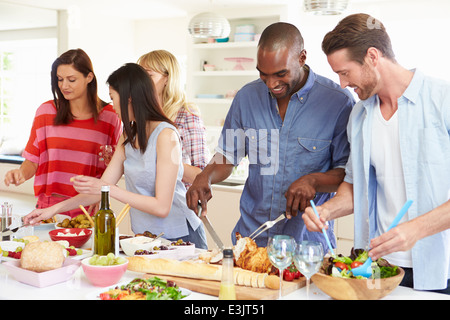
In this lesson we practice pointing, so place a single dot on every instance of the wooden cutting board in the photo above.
(242, 293)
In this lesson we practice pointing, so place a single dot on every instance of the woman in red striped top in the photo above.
(67, 133)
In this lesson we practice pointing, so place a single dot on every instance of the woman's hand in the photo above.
(88, 185)
(37, 215)
(18, 176)
(14, 177)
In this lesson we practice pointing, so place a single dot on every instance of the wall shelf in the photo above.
(224, 81)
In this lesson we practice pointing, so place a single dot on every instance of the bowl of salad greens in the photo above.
(335, 277)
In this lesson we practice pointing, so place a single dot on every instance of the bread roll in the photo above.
(42, 256)
(272, 282)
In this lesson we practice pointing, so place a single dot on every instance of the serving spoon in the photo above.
(365, 269)
(323, 229)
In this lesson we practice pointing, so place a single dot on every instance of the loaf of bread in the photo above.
(200, 270)
(170, 267)
(42, 256)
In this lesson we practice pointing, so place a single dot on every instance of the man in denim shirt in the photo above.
(291, 123)
(399, 135)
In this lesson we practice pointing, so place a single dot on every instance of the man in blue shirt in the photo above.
(399, 135)
(291, 123)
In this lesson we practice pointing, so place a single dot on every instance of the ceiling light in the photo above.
(209, 25)
(325, 7)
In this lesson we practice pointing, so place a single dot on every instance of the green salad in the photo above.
(155, 288)
(341, 266)
(145, 289)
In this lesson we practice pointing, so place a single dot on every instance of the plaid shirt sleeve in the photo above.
(193, 139)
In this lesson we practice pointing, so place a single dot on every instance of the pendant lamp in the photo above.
(209, 25)
(325, 7)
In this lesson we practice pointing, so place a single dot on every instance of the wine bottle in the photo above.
(105, 227)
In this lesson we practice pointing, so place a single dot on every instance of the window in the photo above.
(25, 67)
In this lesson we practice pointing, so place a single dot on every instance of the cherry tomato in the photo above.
(356, 264)
(105, 296)
(341, 265)
(288, 275)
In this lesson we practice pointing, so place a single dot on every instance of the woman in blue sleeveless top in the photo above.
(149, 155)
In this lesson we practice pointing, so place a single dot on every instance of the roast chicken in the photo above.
(249, 256)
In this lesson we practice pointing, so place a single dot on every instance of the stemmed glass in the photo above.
(280, 249)
(308, 257)
(106, 153)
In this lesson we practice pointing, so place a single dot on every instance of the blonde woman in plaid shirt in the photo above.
(164, 70)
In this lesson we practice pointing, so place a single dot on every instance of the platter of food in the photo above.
(147, 245)
(42, 264)
(255, 277)
(153, 288)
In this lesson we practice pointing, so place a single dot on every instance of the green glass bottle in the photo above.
(105, 226)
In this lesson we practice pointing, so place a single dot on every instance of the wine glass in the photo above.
(106, 153)
(280, 249)
(308, 257)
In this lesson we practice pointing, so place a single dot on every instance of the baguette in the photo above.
(170, 267)
(198, 270)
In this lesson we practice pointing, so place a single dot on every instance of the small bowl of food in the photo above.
(76, 237)
(336, 280)
(80, 221)
(103, 271)
(131, 245)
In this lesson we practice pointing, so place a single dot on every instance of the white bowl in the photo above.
(130, 245)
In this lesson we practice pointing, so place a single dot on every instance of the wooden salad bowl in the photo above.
(357, 289)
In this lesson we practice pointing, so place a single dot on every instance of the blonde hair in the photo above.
(173, 96)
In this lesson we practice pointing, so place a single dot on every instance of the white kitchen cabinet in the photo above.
(344, 231)
(223, 212)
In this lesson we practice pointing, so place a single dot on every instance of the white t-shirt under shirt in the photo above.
(391, 195)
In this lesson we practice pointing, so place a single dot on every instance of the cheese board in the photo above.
(242, 293)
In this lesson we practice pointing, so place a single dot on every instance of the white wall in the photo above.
(417, 30)
(108, 41)
(168, 34)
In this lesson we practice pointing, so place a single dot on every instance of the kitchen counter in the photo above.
(79, 287)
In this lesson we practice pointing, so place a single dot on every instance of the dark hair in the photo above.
(132, 82)
(82, 63)
(357, 33)
(281, 34)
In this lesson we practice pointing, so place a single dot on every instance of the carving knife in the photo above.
(209, 227)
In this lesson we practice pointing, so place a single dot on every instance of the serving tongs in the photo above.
(266, 226)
